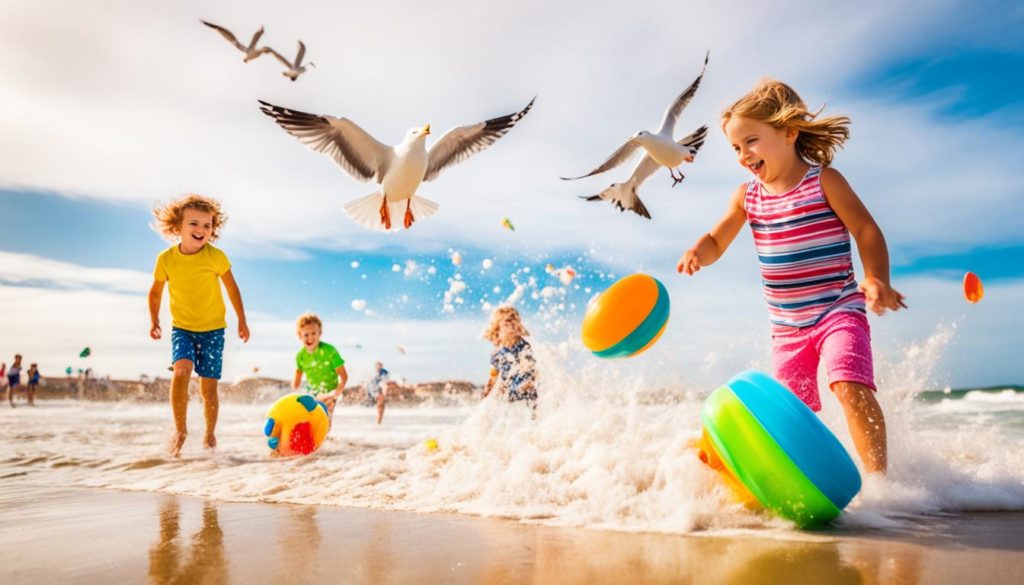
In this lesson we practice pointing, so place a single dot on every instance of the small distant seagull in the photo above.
(399, 169)
(660, 146)
(294, 69)
(625, 196)
(251, 52)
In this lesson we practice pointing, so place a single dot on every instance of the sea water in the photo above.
(600, 450)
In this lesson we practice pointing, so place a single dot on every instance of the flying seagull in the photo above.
(625, 196)
(660, 145)
(294, 69)
(399, 169)
(251, 52)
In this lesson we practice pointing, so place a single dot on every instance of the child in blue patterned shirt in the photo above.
(513, 368)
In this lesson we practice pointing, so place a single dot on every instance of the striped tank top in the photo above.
(804, 251)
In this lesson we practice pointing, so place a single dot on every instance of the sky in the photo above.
(110, 108)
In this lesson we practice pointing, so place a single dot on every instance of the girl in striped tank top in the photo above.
(802, 213)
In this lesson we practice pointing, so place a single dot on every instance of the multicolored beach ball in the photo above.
(626, 319)
(296, 424)
(770, 447)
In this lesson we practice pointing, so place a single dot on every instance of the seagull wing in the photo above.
(680, 103)
(302, 53)
(620, 156)
(226, 34)
(361, 155)
(460, 143)
(279, 57)
(255, 38)
(644, 169)
(623, 196)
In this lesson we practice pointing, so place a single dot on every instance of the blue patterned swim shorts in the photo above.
(205, 350)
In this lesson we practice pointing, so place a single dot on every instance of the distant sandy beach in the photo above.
(70, 535)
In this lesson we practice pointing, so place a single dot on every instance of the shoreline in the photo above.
(246, 390)
(134, 536)
(264, 389)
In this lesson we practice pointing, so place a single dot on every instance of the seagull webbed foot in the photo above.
(408, 215)
(385, 216)
(676, 180)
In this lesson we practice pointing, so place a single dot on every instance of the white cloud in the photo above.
(141, 102)
(29, 270)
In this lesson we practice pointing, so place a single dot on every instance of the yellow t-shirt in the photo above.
(194, 286)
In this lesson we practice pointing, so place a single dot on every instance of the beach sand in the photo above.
(76, 535)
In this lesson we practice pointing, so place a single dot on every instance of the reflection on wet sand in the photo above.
(573, 557)
(97, 536)
(201, 561)
(298, 544)
(312, 544)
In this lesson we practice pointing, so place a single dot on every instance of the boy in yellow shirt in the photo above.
(192, 268)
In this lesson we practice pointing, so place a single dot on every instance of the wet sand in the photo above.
(72, 535)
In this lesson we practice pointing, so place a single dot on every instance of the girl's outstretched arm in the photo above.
(710, 247)
(236, 301)
(874, 254)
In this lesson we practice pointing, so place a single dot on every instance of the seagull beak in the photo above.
(426, 129)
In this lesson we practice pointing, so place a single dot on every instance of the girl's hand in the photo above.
(154, 331)
(330, 400)
(689, 263)
(880, 296)
(243, 331)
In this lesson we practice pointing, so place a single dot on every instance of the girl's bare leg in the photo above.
(866, 422)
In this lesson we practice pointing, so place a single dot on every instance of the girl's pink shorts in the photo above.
(842, 339)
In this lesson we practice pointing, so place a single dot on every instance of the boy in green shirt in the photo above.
(320, 362)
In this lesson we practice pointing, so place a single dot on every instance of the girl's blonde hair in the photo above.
(778, 105)
(308, 319)
(168, 217)
(499, 315)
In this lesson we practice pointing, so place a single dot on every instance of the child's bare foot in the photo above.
(177, 440)
(210, 442)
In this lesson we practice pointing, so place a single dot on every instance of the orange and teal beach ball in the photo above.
(627, 318)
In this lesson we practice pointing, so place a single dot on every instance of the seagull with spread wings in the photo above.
(294, 69)
(625, 196)
(660, 146)
(251, 52)
(398, 169)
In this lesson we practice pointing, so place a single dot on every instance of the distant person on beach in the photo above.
(802, 213)
(377, 390)
(33, 383)
(193, 270)
(3, 380)
(513, 369)
(13, 378)
(320, 362)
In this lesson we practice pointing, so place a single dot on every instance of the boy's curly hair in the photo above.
(168, 217)
(778, 105)
(499, 315)
(308, 319)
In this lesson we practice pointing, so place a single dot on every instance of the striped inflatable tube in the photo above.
(779, 450)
